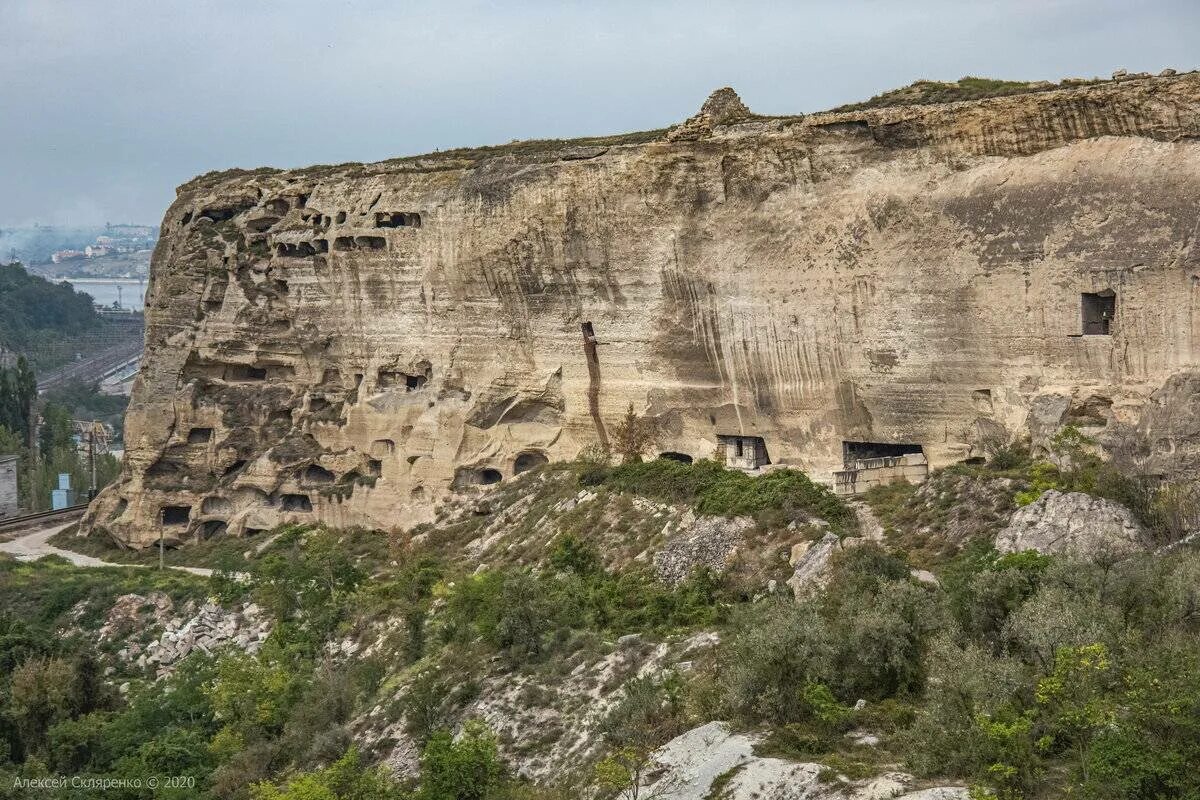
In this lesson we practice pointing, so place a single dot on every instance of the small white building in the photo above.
(8, 486)
(743, 452)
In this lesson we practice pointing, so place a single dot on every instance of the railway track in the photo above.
(40, 519)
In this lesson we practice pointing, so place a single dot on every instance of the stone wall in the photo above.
(8, 486)
(352, 343)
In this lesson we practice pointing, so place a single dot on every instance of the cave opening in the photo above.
(854, 452)
(295, 502)
(528, 460)
(1098, 310)
(316, 475)
(199, 435)
(176, 515)
(670, 455)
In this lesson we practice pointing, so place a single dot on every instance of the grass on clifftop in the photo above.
(926, 92)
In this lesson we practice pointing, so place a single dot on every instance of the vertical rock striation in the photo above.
(351, 343)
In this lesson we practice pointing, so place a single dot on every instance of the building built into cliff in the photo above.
(863, 295)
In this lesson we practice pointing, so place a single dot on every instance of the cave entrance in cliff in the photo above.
(199, 435)
(176, 515)
(857, 452)
(468, 476)
(670, 455)
(744, 452)
(529, 460)
(1098, 310)
(295, 502)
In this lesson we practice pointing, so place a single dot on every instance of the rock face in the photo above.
(707, 543)
(1074, 524)
(352, 343)
(712, 761)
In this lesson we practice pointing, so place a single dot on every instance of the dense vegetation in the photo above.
(782, 495)
(1024, 675)
(34, 311)
(85, 401)
(54, 449)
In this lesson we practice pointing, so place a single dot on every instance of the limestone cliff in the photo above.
(351, 343)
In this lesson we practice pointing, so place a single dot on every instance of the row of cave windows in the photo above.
(383, 219)
(737, 450)
(279, 207)
(293, 502)
(341, 244)
(386, 378)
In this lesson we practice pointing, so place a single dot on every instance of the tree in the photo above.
(632, 436)
(55, 434)
(25, 385)
(40, 696)
(468, 768)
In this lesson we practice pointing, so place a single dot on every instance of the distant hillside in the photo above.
(50, 323)
(32, 309)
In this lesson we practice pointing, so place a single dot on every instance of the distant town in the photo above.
(113, 250)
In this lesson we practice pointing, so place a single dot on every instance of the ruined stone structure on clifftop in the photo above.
(352, 343)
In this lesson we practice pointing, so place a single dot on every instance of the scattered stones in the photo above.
(211, 629)
(710, 542)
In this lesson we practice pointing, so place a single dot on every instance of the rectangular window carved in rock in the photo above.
(1098, 309)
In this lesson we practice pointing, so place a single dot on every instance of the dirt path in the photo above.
(35, 545)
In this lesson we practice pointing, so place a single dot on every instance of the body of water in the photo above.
(106, 291)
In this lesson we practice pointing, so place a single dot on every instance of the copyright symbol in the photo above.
(152, 782)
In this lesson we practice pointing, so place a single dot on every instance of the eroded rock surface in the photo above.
(712, 758)
(1074, 524)
(353, 344)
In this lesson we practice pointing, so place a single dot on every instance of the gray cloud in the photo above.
(107, 106)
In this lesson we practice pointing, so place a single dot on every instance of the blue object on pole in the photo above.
(64, 481)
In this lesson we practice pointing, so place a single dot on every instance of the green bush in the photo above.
(527, 615)
(862, 639)
(713, 489)
(466, 768)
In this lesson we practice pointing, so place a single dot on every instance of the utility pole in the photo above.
(92, 462)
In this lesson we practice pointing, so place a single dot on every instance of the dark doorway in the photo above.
(176, 515)
(295, 502)
(199, 435)
(1098, 309)
(528, 460)
(865, 451)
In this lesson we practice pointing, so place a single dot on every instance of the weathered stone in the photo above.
(811, 570)
(412, 330)
(709, 543)
(687, 767)
(1073, 524)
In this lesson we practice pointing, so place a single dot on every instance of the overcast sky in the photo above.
(107, 105)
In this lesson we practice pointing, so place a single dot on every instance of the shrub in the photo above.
(346, 778)
(466, 768)
(713, 489)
